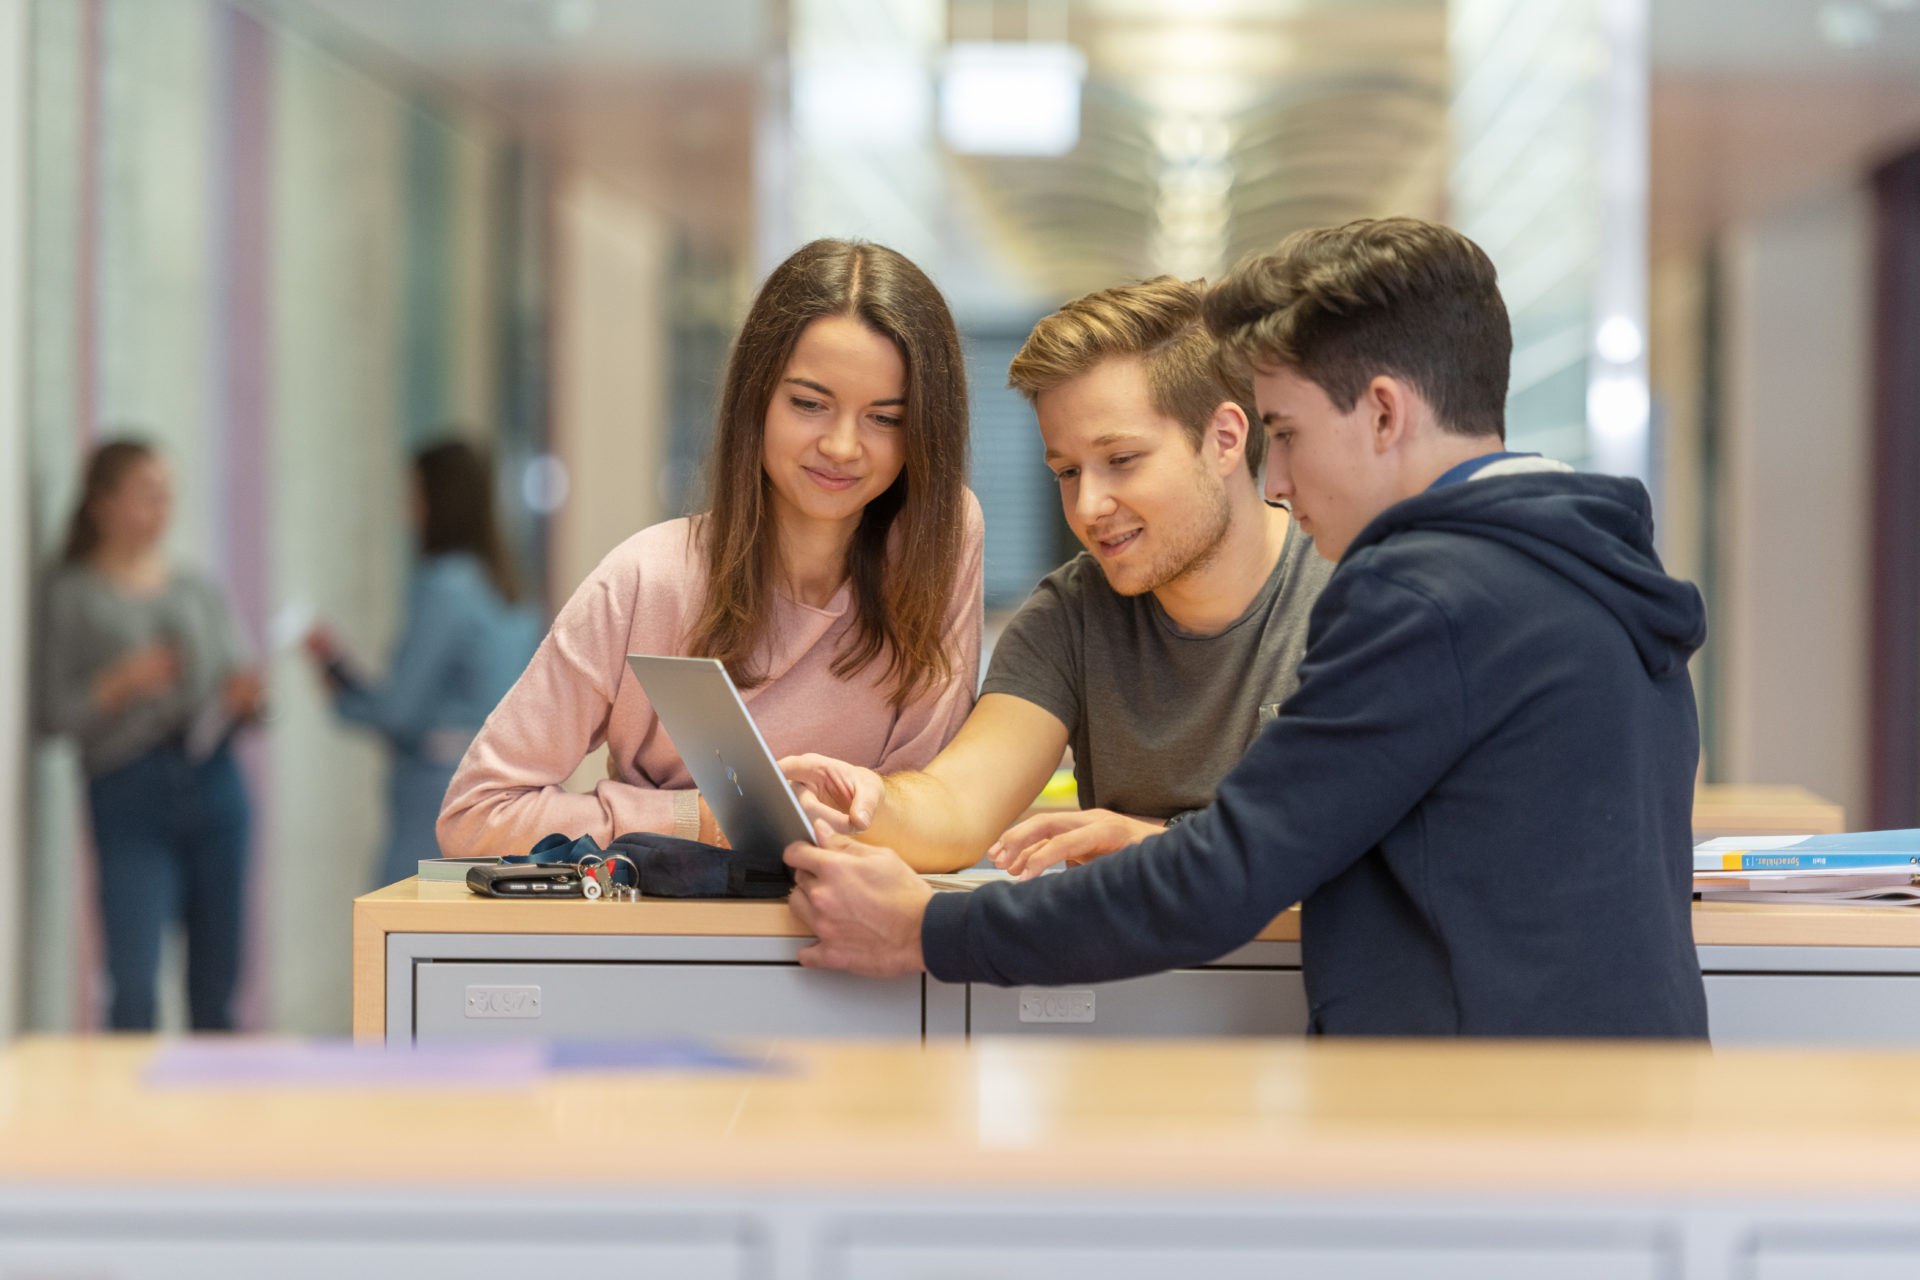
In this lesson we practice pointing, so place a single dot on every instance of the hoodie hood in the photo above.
(1595, 531)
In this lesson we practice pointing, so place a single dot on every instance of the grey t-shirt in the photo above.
(89, 624)
(1156, 715)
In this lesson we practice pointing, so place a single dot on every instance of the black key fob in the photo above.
(528, 880)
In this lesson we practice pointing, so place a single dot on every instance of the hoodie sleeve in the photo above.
(1379, 717)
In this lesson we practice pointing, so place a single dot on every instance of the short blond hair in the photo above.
(1160, 321)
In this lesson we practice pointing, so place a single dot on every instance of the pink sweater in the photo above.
(578, 693)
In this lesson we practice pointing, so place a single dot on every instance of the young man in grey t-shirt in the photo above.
(1158, 652)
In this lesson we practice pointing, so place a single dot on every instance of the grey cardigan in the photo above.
(88, 623)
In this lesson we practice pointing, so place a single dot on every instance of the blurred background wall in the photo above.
(289, 267)
(15, 537)
(1771, 125)
(292, 240)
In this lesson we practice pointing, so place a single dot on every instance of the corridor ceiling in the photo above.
(1208, 127)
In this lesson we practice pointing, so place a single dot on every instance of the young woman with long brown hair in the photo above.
(837, 573)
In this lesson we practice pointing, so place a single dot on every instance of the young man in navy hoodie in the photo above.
(1481, 790)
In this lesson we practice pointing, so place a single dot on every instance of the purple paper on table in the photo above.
(344, 1064)
(654, 1053)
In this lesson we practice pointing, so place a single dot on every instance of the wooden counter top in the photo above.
(441, 906)
(415, 906)
(1719, 809)
(1319, 1116)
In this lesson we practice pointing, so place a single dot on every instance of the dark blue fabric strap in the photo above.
(668, 867)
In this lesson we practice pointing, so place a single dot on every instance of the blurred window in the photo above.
(1025, 535)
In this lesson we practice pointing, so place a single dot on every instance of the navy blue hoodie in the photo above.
(1481, 792)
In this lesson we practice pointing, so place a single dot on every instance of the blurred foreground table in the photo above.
(1017, 1159)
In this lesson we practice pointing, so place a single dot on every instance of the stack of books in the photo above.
(1857, 868)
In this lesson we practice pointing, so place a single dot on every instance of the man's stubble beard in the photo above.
(1193, 546)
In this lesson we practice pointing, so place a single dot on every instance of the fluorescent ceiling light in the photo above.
(1617, 407)
(1847, 25)
(1619, 340)
(860, 103)
(571, 19)
(1008, 98)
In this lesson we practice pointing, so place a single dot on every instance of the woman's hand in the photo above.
(844, 796)
(1030, 847)
(144, 673)
(244, 694)
(320, 644)
(325, 650)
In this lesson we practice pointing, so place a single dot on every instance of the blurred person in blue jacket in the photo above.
(465, 639)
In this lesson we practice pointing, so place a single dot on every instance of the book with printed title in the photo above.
(1899, 848)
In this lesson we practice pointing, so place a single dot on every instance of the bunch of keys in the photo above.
(622, 892)
(597, 881)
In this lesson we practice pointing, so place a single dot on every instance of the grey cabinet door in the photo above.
(1131, 1244)
(1184, 1002)
(1839, 1261)
(496, 1000)
(1813, 1008)
(308, 1259)
(983, 1262)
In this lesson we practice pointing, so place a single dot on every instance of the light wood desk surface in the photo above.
(1247, 1114)
(1719, 809)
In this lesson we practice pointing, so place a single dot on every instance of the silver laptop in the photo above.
(729, 760)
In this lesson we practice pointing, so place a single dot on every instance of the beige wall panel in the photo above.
(54, 982)
(610, 372)
(158, 279)
(473, 376)
(1792, 635)
(338, 511)
(1676, 298)
(53, 372)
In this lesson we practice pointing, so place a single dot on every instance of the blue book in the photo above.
(1761, 860)
(1809, 853)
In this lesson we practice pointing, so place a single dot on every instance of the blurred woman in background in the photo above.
(142, 664)
(837, 574)
(465, 639)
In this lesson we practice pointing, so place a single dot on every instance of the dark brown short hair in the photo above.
(1160, 321)
(906, 552)
(1396, 296)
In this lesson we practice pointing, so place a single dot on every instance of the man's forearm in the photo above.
(931, 826)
